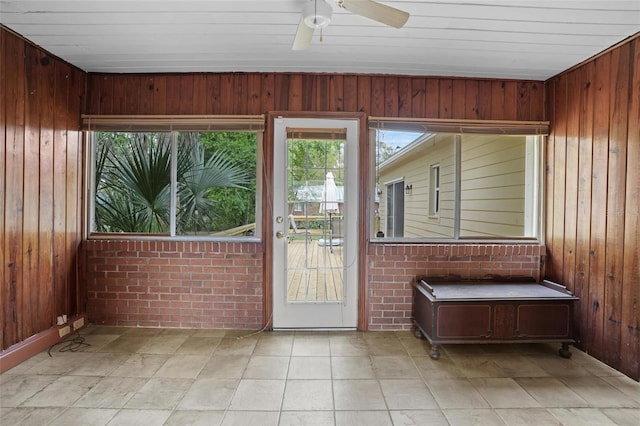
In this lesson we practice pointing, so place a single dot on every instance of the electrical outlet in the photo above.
(79, 323)
(63, 331)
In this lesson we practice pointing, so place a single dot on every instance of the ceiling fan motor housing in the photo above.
(317, 14)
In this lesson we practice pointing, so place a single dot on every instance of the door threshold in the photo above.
(315, 329)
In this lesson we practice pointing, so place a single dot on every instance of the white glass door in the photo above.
(315, 215)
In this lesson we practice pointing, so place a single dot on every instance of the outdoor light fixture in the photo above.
(408, 189)
(317, 14)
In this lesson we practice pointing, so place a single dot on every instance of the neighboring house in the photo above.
(418, 187)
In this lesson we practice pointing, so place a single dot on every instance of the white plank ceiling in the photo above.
(524, 39)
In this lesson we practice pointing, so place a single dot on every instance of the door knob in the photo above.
(279, 234)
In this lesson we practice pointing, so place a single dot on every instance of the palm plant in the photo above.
(133, 175)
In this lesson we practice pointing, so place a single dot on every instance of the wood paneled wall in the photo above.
(593, 201)
(253, 93)
(40, 188)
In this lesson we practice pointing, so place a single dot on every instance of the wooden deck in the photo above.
(315, 274)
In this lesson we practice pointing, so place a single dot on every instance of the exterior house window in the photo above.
(478, 182)
(434, 190)
(188, 184)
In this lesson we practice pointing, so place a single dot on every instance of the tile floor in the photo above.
(138, 376)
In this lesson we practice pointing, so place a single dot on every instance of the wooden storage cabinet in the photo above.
(483, 311)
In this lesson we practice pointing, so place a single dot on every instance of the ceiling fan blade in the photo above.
(303, 36)
(377, 11)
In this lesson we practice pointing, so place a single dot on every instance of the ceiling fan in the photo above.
(317, 15)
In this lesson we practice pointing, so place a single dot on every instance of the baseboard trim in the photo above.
(35, 344)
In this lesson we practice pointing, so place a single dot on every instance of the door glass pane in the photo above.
(315, 180)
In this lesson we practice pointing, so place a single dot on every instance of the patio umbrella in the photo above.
(329, 203)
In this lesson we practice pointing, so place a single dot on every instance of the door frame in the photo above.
(267, 213)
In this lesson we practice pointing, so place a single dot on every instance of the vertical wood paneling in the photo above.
(618, 121)
(14, 164)
(599, 207)
(377, 96)
(418, 97)
(511, 100)
(432, 97)
(31, 186)
(60, 272)
(497, 99)
(445, 94)
(390, 97)
(200, 93)
(600, 187)
(254, 89)
(281, 91)
(336, 93)
(295, 93)
(405, 100)
(46, 299)
(471, 97)
(364, 94)
(459, 99)
(160, 95)
(583, 233)
(40, 111)
(4, 307)
(630, 327)
(350, 93)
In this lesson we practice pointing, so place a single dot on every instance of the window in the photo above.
(434, 190)
(463, 183)
(395, 209)
(175, 183)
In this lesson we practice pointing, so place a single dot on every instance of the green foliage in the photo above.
(133, 174)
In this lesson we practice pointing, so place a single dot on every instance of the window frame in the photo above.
(173, 125)
(537, 129)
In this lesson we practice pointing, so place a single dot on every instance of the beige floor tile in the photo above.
(209, 394)
(264, 395)
(306, 345)
(581, 417)
(599, 393)
(358, 395)
(85, 417)
(15, 389)
(140, 365)
(352, 367)
(99, 364)
(437, 369)
(363, 418)
(456, 393)
(514, 365)
(162, 344)
(231, 346)
(308, 395)
(385, 347)
(551, 392)
(126, 344)
(195, 418)
(306, 418)
(503, 393)
(62, 392)
(418, 418)
(111, 392)
(267, 367)
(348, 346)
(274, 345)
(477, 416)
(196, 345)
(186, 332)
(394, 367)
(142, 332)
(478, 366)
(96, 341)
(623, 416)
(415, 347)
(557, 366)
(103, 329)
(225, 367)
(527, 417)
(30, 416)
(58, 363)
(626, 385)
(407, 394)
(309, 367)
(247, 418)
(159, 394)
(182, 366)
(129, 417)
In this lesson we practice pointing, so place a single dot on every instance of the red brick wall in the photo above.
(174, 283)
(391, 268)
